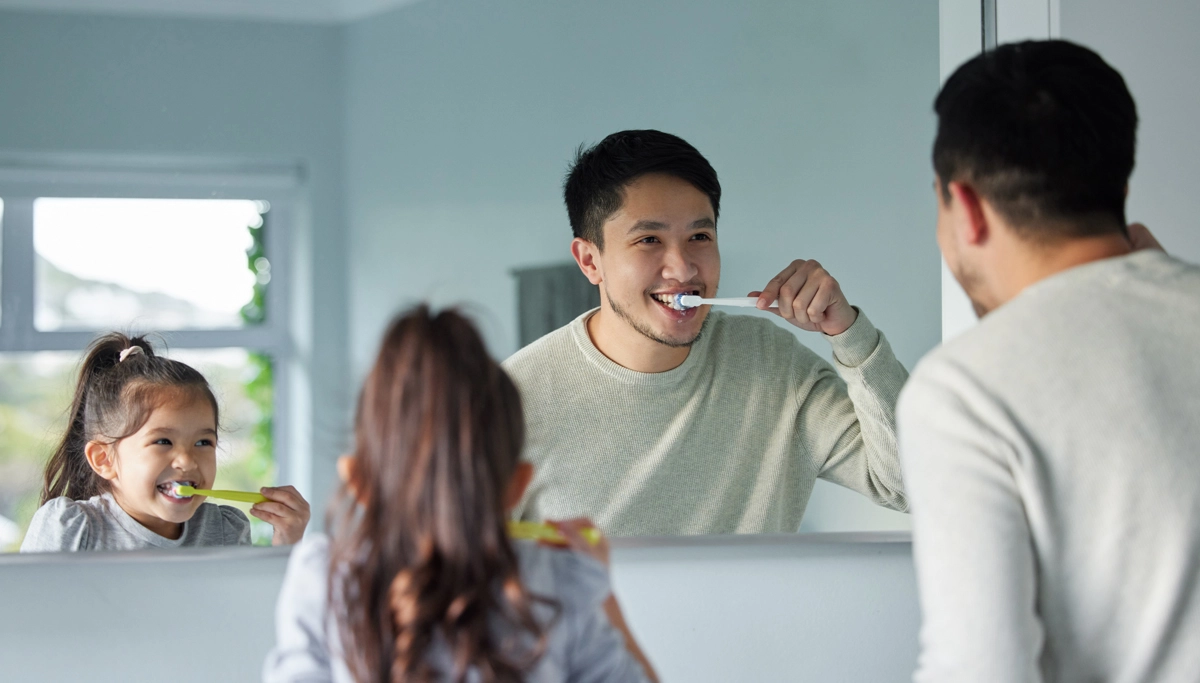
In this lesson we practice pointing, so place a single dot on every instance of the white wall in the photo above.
(747, 609)
(1154, 47)
(188, 88)
(463, 114)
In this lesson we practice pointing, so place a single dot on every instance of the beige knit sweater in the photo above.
(1052, 454)
(731, 441)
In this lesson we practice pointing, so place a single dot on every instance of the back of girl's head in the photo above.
(423, 552)
(121, 381)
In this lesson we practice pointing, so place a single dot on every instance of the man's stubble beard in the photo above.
(646, 331)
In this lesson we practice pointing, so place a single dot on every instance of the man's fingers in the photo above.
(770, 293)
(804, 300)
(822, 300)
(787, 295)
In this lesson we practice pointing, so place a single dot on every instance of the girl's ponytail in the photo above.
(111, 363)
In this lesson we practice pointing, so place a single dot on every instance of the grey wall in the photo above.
(462, 115)
(1154, 48)
(74, 83)
(750, 609)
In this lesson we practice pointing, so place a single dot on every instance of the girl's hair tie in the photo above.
(131, 351)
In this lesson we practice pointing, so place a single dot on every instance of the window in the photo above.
(140, 250)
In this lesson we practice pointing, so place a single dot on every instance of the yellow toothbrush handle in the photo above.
(240, 496)
(538, 531)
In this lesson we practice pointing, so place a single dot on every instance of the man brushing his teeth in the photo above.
(652, 419)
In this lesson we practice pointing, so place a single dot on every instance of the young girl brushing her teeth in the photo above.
(139, 424)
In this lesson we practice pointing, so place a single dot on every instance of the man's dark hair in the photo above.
(1045, 131)
(594, 184)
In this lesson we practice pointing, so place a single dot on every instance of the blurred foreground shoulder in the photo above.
(302, 620)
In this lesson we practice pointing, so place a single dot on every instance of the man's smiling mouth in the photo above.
(671, 299)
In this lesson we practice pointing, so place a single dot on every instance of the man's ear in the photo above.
(587, 255)
(969, 219)
(517, 485)
(102, 458)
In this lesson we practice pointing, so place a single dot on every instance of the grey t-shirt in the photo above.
(99, 523)
(581, 644)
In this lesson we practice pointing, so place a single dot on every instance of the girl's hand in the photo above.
(571, 529)
(286, 510)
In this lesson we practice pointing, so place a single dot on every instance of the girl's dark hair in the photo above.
(113, 399)
(421, 566)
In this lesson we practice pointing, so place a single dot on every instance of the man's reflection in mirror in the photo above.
(653, 420)
(140, 427)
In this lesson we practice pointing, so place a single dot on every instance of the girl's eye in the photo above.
(205, 442)
(162, 442)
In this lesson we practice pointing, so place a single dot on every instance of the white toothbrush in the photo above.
(692, 301)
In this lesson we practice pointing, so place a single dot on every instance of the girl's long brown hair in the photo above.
(420, 563)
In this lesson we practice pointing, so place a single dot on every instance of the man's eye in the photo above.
(648, 240)
(700, 236)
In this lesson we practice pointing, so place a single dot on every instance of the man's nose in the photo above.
(678, 265)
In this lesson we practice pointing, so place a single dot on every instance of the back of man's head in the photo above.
(593, 188)
(1045, 132)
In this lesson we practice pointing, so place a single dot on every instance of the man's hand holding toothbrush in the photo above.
(808, 297)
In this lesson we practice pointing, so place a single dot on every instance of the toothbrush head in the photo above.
(686, 301)
(183, 490)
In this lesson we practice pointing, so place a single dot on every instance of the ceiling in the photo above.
(307, 11)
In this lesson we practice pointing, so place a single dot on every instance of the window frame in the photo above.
(23, 179)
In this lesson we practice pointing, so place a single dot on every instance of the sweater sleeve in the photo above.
(597, 650)
(971, 541)
(235, 526)
(851, 419)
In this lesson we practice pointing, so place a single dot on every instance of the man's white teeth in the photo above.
(670, 300)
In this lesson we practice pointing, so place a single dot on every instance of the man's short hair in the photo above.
(1045, 131)
(596, 179)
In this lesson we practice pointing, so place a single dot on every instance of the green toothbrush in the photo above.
(241, 496)
(537, 531)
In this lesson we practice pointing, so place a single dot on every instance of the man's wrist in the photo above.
(856, 343)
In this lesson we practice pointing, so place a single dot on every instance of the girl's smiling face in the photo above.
(178, 443)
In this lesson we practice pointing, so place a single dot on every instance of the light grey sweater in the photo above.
(581, 643)
(1052, 457)
(731, 441)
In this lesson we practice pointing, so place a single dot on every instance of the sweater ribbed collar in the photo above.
(696, 357)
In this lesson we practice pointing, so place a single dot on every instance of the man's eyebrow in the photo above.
(647, 226)
(704, 223)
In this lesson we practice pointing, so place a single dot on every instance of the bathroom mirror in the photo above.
(407, 151)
